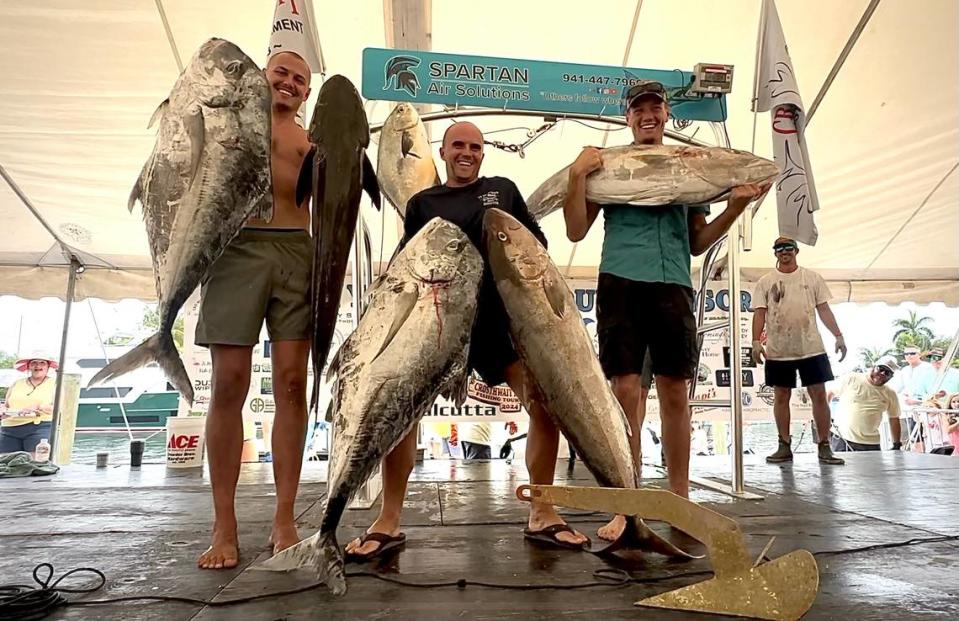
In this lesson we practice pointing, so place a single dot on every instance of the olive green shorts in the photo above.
(262, 274)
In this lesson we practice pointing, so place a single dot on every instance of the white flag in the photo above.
(777, 91)
(294, 30)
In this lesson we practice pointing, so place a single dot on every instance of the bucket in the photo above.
(184, 441)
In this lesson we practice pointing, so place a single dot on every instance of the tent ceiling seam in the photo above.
(914, 214)
(850, 44)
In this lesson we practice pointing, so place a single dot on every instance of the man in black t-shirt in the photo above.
(463, 200)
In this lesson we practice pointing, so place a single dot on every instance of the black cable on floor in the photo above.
(27, 603)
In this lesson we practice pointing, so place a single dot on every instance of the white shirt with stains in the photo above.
(790, 301)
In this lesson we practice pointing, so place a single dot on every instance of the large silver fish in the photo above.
(341, 171)
(552, 341)
(208, 173)
(658, 175)
(404, 162)
(409, 347)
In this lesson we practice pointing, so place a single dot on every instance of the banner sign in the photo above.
(517, 84)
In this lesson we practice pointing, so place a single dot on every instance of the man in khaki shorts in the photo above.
(263, 274)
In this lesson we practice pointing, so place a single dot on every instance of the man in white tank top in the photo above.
(785, 302)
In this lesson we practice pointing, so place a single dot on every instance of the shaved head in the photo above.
(462, 151)
(463, 129)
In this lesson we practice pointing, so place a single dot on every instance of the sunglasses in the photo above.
(886, 371)
(935, 358)
(911, 353)
(784, 248)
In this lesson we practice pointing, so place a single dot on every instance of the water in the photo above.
(87, 445)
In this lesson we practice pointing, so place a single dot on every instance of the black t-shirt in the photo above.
(465, 206)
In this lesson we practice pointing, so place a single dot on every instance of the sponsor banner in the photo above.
(518, 84)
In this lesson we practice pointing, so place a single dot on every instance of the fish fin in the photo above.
(456, 382)
(135, 194)
(159, 112)
(370, 184)
(196, 131)
(437, 180)
(402, 308)
(160, 348)
(320, 553)
(332, 407)
(406, 145)
(557, 294)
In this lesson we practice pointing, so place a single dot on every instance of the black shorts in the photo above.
(491, 348)
(812, 370)
(633, 317)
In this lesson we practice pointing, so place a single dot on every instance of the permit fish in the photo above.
(410, 346)
(208, 173)
(562, 366)
(404, 161)
(341, 172)
(658, 175)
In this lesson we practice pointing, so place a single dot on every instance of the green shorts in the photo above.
(262, 274)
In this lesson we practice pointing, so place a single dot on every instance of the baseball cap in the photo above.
(645, 87)
(889, 362)
(935, 353)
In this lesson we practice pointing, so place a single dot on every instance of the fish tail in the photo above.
(159, 348)
(638, 536)
(320, 553)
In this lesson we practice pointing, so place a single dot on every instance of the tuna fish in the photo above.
(410, 346)
(341, 171)
(562, 367)
(658, 175)
(208, 173)
(404, 162)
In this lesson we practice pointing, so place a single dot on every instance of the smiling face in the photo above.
(647, 118)
(954, 402)
(912, 356)
(289, 78)
(462, 151)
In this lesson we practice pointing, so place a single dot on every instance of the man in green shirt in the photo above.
(645, 294)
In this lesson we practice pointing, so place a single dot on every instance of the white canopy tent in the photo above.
(81, 81)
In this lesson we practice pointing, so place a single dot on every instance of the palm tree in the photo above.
(869, 356)
(913, 331)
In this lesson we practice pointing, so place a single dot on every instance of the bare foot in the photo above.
(387, 526)
(283, 536)
(224, 550)
(541, 517)
(613, 529)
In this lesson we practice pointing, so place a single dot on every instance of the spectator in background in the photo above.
(864, 398)
(476, 441)
(913, 384)
(952, 418)
(950, 381)
(28, 412)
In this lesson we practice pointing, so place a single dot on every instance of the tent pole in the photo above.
(71, 289)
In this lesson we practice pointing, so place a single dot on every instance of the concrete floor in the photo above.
(144, 530)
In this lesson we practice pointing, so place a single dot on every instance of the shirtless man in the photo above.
(263, 274)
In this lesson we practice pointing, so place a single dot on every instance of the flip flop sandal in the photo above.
(386, 542)
(548, 537)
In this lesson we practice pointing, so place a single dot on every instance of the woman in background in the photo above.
(28, 412)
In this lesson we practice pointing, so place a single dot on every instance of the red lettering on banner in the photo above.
(292, 5)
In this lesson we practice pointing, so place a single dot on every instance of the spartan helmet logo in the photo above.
(399, 74)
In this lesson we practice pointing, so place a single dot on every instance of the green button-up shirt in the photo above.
(648, 244)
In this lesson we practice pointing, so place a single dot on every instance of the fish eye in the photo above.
(453, 246)
(502, 236)
(233, 67)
